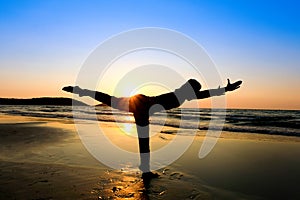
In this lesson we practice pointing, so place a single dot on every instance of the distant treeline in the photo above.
(59, 101)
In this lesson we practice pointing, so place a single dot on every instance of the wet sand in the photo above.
(45, 159)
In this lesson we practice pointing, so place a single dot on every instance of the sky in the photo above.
(45, 43)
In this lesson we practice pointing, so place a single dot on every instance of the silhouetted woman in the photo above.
(143, 107)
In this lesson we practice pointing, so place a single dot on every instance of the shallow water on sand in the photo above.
(273, 122)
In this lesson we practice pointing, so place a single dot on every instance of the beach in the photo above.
(43, 158)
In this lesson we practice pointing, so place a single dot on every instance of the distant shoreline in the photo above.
(59, 101)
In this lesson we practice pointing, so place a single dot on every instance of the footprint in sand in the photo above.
(172, 175)
(175, 175)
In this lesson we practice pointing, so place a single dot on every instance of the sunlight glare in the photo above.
(128, 128)
(150, 89)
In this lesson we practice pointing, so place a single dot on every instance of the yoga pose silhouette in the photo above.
(143, 107)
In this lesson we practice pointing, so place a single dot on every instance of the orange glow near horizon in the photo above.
(255, 92)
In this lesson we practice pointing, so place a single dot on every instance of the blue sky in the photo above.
(46, 42)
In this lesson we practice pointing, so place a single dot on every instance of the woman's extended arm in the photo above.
(219, 91)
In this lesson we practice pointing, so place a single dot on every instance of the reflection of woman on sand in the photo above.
(144, 106)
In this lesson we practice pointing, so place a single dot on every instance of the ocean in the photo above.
(274, 122)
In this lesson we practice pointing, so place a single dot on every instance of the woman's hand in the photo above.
(232, 86)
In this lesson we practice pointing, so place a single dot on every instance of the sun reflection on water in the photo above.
(128, 128)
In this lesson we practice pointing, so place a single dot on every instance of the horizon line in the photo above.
(205, 107)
